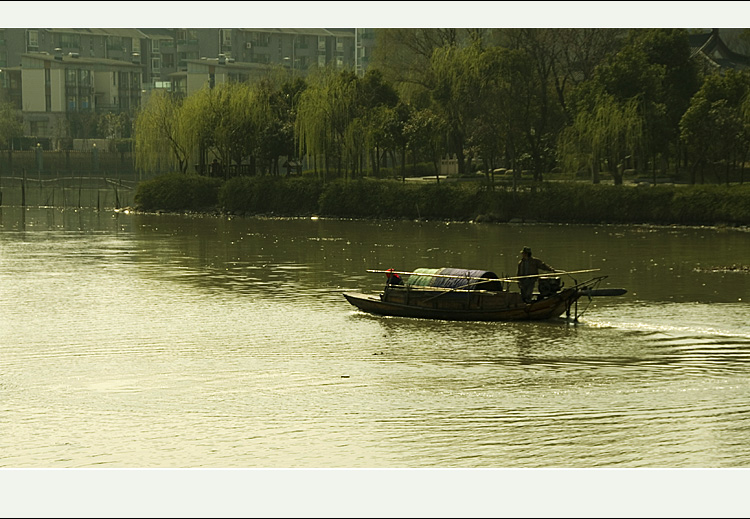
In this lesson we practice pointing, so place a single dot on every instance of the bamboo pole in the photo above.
(512, 278)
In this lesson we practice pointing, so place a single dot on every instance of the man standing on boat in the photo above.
(529, 266)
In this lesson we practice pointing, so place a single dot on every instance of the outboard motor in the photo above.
(549, 286)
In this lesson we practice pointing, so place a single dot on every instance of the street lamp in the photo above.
(294, 53)
(95, 159)
(39, 160)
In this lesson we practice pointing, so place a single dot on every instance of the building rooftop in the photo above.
(71, 59)
(712, 48)
(125, 33)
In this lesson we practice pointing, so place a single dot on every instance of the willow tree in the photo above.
(404, 54)
(161, 139)
(604, 135)
(745, 114)
(456, 91)
(224, 122)
(326, 110)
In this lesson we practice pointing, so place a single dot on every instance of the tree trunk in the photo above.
(403, 161)
(461, 161)
(726, 171)
(595, 177)
(693, 169)
(618, 173)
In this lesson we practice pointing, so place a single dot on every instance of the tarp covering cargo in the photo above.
(422, 277)
(452, 278)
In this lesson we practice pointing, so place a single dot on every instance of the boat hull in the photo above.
(463, 306)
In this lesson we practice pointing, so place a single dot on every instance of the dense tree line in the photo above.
(580, 101)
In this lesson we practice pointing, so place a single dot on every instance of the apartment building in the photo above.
(47, 73)
(161, 52)
(53, 88)
(249, 54)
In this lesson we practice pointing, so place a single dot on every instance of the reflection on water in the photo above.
(178, 341)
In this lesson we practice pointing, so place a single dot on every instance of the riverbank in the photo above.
(553, 202)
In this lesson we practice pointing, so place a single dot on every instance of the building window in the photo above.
(321, 43)
(137, 45)
(184, 56)
(47, 77)
(226, 38)
(85, 103)
(71, 104)
(261, 39)
(339, 62)
(114, 43)
(187, 36)
(38, 128)
(32, 39)
(155, 64)
(322, 60)
(70, 77)
(69, 41)
(155, 45)
(84, 78)
(339, 45)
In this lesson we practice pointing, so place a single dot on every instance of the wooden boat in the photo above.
(473, 295)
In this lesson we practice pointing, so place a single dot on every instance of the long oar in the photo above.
(425, 274)
(511, 279)
(550, 274)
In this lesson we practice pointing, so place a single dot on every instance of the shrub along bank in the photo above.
(178, 192)
(561, 202)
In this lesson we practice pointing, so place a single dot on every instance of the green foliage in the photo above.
(651, 80)
(177, 192)
(161, 140)
(393, 199)
(11, 125)
(524, 99)
(686, 205)
(606, 133)
(716, 126)
(271, 195)
(563, 202)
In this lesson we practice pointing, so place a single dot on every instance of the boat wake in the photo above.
(679, 321)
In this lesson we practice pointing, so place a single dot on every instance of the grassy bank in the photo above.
(563, 202)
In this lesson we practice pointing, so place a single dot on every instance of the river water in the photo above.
(165, 341)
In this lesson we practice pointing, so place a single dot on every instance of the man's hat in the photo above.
(527, 249)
